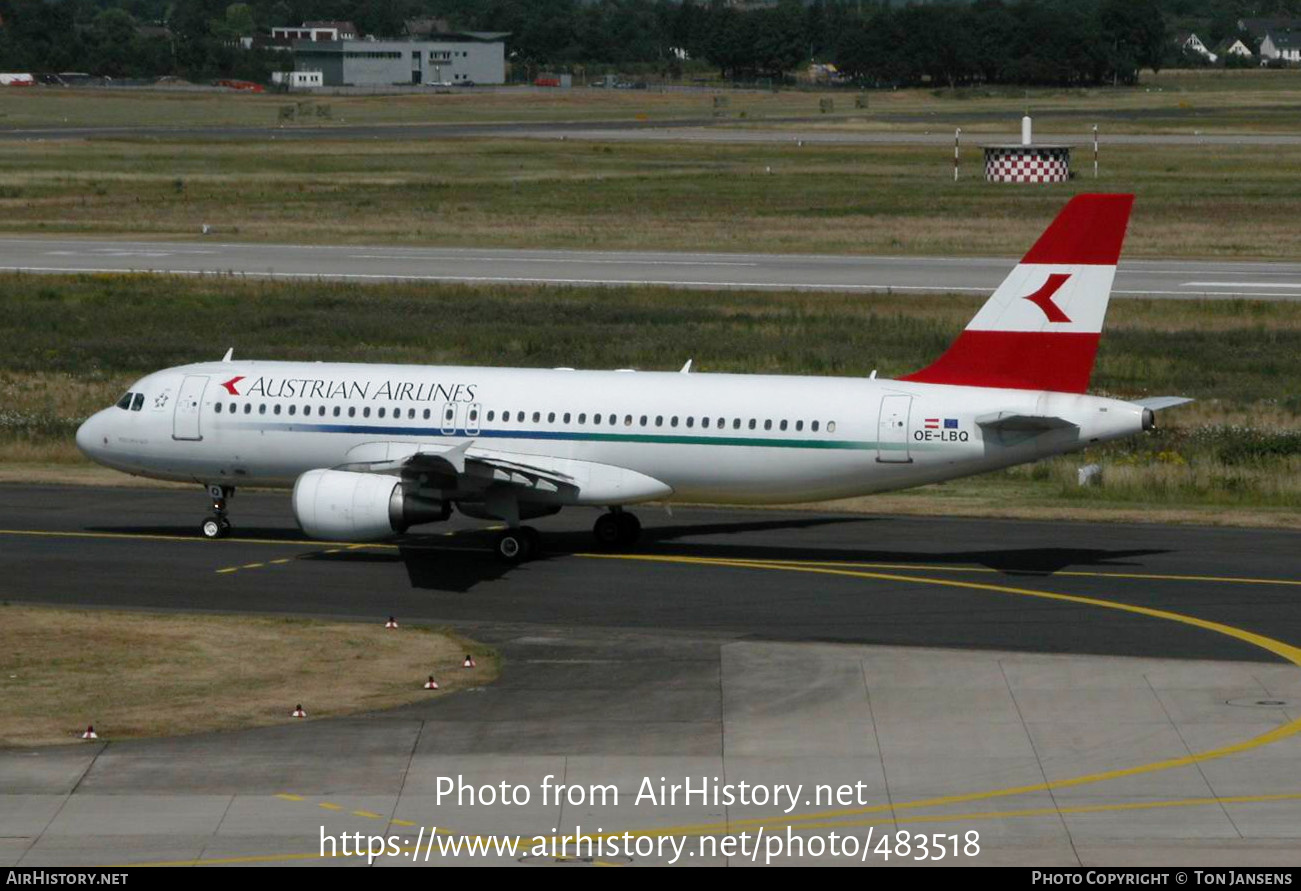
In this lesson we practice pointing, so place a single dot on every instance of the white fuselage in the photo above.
(743, 439)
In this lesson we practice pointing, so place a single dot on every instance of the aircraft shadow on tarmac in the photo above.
(431, 567)
(458, 564)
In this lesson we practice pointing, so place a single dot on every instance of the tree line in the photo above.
(871, 42)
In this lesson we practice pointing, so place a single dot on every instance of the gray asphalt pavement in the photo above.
(97, 546)
(1068, 731)
(1145, 278)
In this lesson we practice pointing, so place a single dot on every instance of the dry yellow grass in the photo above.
(46, 465)
(1232, 201)
(144, 674)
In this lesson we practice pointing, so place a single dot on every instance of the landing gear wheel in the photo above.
(606, 530)
(629, 528)
(514, 545)
(534, 539)
(217, 526)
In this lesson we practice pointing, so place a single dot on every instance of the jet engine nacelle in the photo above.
(340, 505)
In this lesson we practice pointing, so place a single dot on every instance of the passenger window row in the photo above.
(598, 419)
(690, 421)
(322, 411)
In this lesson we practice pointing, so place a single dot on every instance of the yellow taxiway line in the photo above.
(775, 564)
(834, 818)
(1286, 651)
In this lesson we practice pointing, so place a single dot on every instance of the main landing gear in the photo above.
(519, 544)
(616, 529)
(217, 526)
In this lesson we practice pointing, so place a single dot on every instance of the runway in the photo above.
(1079, 693)
(935, 129)
(867, 274)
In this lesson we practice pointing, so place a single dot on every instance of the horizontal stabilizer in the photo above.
(1156, 403)
(1008, 420)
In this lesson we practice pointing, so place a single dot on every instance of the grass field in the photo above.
(140, 674)
(1170, 101)
(1236, 202)
(71, 345)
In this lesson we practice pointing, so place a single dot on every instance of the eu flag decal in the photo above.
(950, 423)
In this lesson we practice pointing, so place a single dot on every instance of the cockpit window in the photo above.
(125, 401)
(139, 402)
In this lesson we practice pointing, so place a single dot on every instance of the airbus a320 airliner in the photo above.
(372, 450)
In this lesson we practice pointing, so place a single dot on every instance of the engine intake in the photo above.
(340, 505)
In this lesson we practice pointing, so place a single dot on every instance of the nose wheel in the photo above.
(217, 525)
(616, 529)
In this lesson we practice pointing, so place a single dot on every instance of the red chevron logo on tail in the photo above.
(230, 384)
(1043, 298)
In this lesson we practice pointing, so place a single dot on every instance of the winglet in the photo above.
(229, 353)
(686, 369)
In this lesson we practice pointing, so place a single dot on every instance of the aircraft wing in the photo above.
(468, 468)
(452, 466)
(485, 467)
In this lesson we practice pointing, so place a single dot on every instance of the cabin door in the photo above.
(189, 404)
(892, 430)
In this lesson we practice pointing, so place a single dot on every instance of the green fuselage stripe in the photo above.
(402, 431)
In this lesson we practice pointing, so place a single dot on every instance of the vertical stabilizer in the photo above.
(1040, 329)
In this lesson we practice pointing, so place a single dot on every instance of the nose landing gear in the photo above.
(217, 525)
(616, 529)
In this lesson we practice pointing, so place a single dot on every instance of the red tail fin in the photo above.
(1040, 329)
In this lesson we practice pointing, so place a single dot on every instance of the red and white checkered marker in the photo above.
(1029, 164)
(90, 732)
(298, 712)
(391, 623)
(431, 684)
(469, 661)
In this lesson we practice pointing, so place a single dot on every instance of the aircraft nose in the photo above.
(90, 436)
